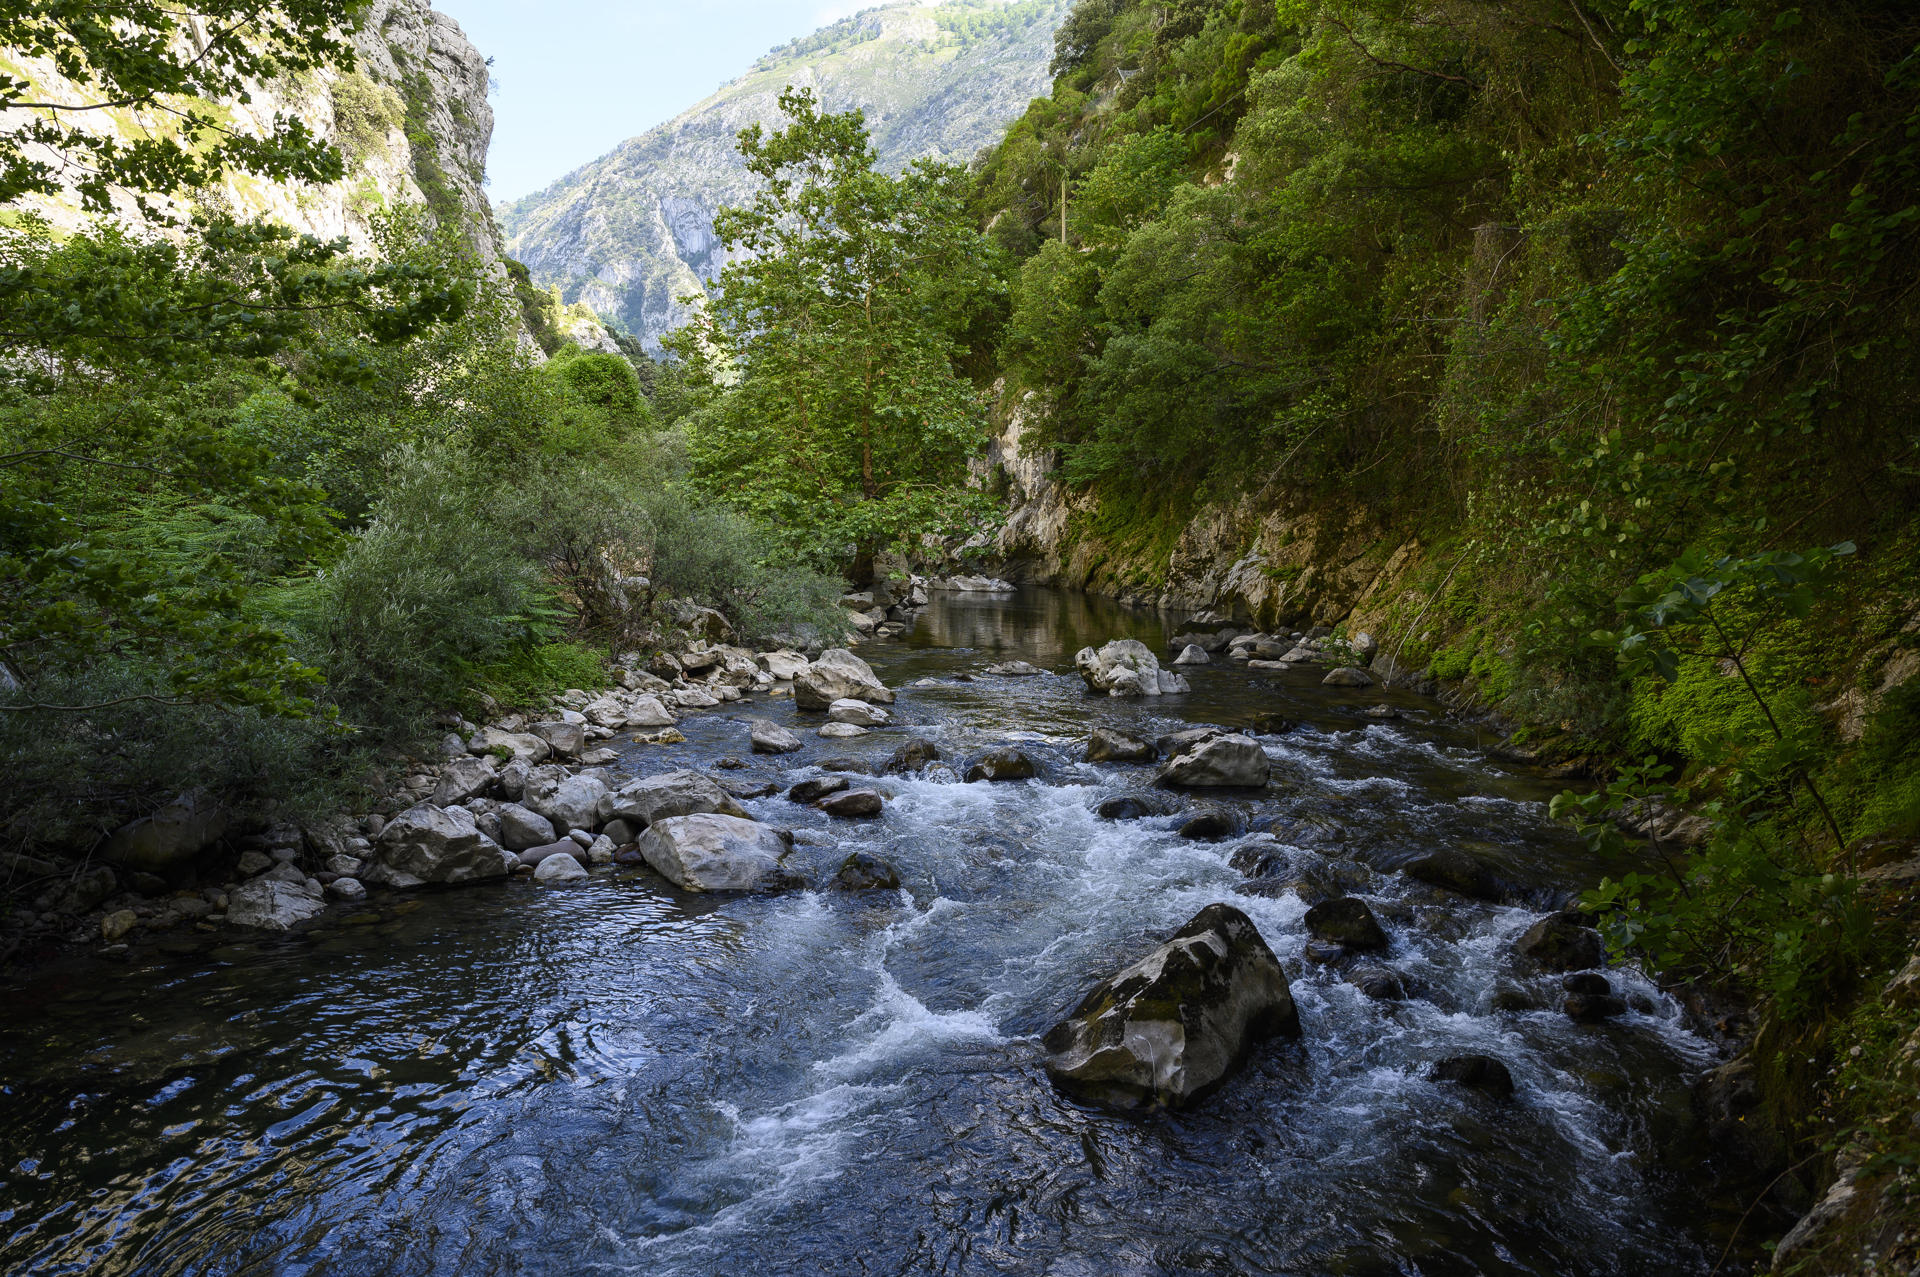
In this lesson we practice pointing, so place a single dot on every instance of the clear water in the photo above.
(611, 1077)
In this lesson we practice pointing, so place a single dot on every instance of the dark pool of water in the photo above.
(613, 1077)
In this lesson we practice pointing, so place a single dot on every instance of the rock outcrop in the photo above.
(1126, 667)
(839, 675)
(1223, 762)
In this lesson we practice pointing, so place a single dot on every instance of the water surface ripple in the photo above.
(615, 1078)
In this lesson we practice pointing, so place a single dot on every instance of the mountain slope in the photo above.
(633, 231)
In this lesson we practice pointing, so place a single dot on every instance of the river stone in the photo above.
(1593, 1008)
(267, 905)
(1481, 1072)
(1348, 676)
(1193, 654)
(1560, 942)
(838, 675)
(771, 738)
(115, 927)
(649, 712)
(428, 844)
(1225, 762)
(518, 745)
(512, 784)
(570, 802)
(1109, 746)
(534, 857)
(783, 665)
(1014, 669)
(859, 713)
(909, 758)
(1126, 667)
(1001, 764)
(1459, 871)
(708, 852)
(464, 778)
(1209, 825)
(252, 863)
(172, 838)
(841, 731)
(862, 872)
(1177, 1022)
(1132, 807)
(559, 869)
(567, 738)
(1348, 922)
(1378, 983)
(812, 791)
(852, 804)
(521, 828)
(347, 890)
(679, 793)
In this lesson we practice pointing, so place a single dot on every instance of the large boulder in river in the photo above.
(838, 675)
(428, 844)
(1346, 921)
(1177, 1022)
(681, 793)
(708, 852)
(1126, 667)
(521, 828)
(1224, 762)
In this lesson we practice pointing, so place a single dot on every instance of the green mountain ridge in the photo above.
(632, 232)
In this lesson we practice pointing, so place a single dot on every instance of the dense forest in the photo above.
(1613, 307)
(1608, 305)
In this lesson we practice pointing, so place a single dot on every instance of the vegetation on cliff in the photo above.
(1567, 293)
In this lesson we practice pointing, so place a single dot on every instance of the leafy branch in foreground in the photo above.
(162, 63)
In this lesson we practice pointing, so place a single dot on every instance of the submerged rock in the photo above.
(842, 731)
(1224, 762)
(1133, 807)
(1378, 983)
(1210, 825)
(1179, 1021)
(1001, 764)
(1481, 1072)
(1348, 676)
(861, 872)
(708, 852)
(1459, 871)
(1014, 669)
(858, 713)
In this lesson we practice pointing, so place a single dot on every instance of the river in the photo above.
(612, 1077)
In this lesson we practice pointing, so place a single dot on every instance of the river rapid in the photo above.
(612, 1077)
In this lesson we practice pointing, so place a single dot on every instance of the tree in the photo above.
(166, 63)
(843, 421)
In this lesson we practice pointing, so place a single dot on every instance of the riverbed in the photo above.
(616, 1077)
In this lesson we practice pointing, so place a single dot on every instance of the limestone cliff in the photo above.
(411, 120)
(632, 232)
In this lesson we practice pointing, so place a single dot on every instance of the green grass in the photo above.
(533, 674)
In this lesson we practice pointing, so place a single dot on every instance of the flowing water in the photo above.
(612, 1077)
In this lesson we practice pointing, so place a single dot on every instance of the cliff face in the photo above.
(1267, 556)
(411, 119)
(632, 232)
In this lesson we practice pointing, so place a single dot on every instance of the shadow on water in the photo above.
(611, 1077)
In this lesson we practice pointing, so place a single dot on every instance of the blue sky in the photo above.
(577, 77)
